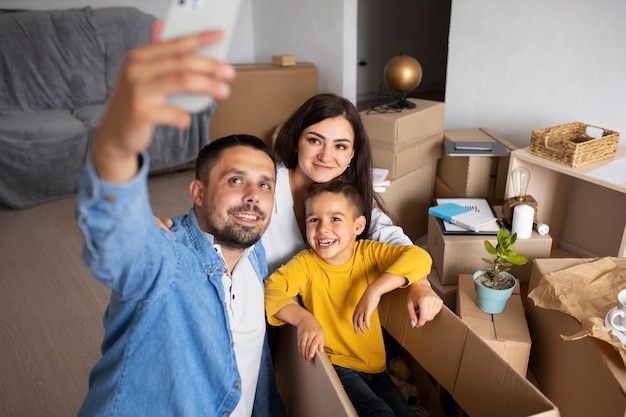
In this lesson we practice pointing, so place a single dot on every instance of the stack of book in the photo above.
(380, 179)
(464, 217)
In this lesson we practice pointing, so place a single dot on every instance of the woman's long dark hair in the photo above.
(314, 110)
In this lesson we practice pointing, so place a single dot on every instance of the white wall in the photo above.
(322, 31)
(515, 66)
(512, 66)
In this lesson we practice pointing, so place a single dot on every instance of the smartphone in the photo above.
(186, 17)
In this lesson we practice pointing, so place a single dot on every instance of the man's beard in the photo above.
(236, 236)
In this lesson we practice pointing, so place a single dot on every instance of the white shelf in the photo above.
(550, 186)
(581, 172)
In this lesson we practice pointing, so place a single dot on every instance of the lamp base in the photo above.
(402, 103)
(509, 203)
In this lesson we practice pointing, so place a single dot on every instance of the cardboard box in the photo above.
(506, 333)
(283, 60)
(403, 141)
(442, 189)
(262, 97)
(401, 159)
(407, 199)
(475, 176)
(583, 377)
(478, 379)
(462, 254)
(448, 293)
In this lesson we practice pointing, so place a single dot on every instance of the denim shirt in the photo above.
(167, 344)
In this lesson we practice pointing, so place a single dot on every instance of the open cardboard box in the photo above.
(479, 380)
(583, 377)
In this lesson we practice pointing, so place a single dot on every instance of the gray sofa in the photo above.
(58, 68)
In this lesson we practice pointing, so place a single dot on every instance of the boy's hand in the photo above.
(371, 297)
(364, 310)
(310, 338)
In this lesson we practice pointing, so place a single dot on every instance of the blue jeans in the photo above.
(373, 395)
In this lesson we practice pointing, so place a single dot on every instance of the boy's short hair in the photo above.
(341, 185)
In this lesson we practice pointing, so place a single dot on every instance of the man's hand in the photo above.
(165, 224)
(422, 302)
(139, 103)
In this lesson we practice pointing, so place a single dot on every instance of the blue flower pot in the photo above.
(489, 300)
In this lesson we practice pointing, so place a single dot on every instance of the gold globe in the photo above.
(403, 73)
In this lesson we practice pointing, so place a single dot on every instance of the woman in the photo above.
(322, 140)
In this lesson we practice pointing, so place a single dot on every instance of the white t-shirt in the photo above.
(246, 313)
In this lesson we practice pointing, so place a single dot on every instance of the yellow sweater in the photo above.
(331, 293)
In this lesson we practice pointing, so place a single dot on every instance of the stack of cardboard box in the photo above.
(473, 176)
(408, 143)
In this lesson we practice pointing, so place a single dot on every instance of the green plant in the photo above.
(505, 257)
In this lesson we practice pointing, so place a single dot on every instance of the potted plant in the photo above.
(494, 285)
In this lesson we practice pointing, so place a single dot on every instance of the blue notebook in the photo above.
(462, 216)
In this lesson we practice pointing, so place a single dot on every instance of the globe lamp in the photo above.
(403, 73)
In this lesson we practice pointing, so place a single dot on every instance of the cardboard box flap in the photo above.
(508, 328)
(482, 383)
(308, 390)
(483, 378)
(445, 328)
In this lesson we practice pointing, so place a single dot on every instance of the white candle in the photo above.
(523, 216)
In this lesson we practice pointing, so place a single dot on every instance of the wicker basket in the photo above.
(569, 144)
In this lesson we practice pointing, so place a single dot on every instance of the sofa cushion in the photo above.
(42, 156)
(55, 60)
(121, 29)
(90, 115)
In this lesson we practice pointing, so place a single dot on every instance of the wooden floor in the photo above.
(51, 307)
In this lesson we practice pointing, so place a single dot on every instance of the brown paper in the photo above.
(586, 292)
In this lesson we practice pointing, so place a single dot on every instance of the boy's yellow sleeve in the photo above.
(411, 262)
(283, 285)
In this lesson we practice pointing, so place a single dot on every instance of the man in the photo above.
(185, 327)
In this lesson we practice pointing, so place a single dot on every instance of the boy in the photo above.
(341, 281)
